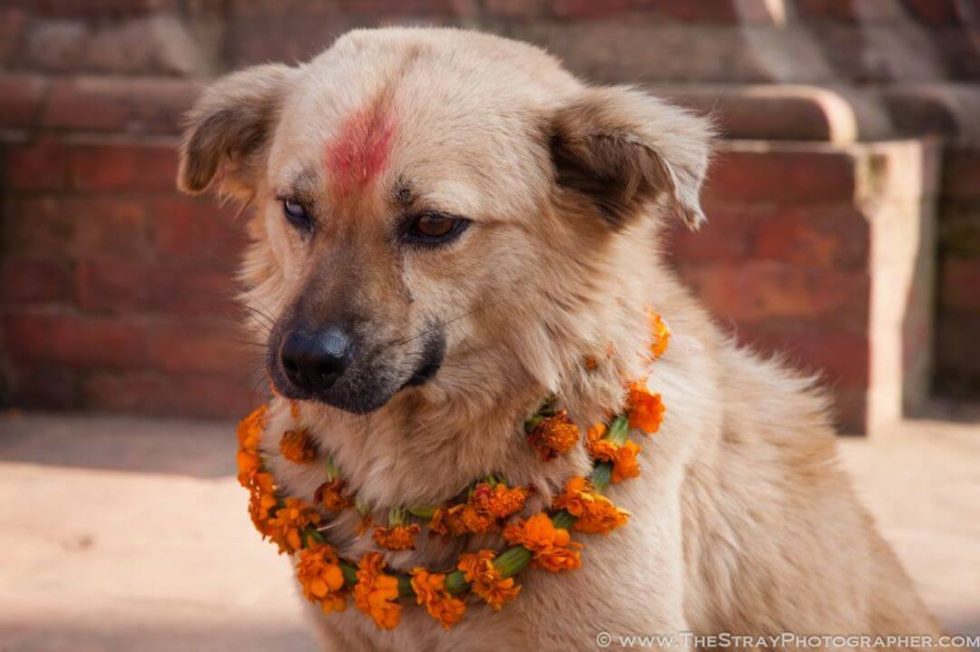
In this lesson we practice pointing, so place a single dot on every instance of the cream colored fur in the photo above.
(742, 520)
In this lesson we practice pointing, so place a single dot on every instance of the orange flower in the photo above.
(250, 429)
(623, 458)
(397, 537)
(430, 591)
(594, 513)
(460, 519)
(261, 500)
(661, 335)
(330, 496)
(297, 447)
(249, 464)
(376, 593)
(594, 433)
(551, 545)
(553, 436)
(288, 522)
(318, 572)
(485, 579)
(645, 409)
(500, 501)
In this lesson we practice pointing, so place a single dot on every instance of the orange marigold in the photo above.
(554, 435)
(249, 464)
(485, 579)
(430, 592)
(286, 526)
(331, 497)
(645, 409)
(297, 446)
(500, 501)
(623, 458)
(319, 574)
(594, 513)
(460, 519)
(250, 429)
(594, 433)
(376, 592)
(261, 500)
(552, 546)
(397, 537)
(661, 335)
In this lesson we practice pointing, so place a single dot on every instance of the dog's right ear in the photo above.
(229, 127)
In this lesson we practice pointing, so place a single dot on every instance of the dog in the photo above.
(445, 225)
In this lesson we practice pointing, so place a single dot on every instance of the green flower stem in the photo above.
(601, 475)
(619, 430)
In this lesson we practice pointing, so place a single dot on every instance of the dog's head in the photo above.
(423, 197)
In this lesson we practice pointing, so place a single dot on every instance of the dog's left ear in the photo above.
(622, 148)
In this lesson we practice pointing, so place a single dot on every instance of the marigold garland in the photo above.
(551, 546)
(553, 434)
(376, 592)
(430, 592)
(297, 446)
(540, 540)
(486, 579)
(319, 574)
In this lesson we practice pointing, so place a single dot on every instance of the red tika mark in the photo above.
(361, 151)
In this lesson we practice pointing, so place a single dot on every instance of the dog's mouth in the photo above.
(367, 383)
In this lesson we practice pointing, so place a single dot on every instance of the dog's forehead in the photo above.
(361, 123)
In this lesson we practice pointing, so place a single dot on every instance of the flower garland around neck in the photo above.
(541, 541)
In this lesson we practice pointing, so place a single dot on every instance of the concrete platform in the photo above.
(131, 534)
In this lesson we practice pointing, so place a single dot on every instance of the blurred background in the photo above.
(844, 231)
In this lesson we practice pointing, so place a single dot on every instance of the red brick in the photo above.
(148, 392)
(109, 226)
(680, 10)
(959, 285)
(41, 165)
(75, 340)
(196, 231)
(195, 292)
(759, 291)
(12, 20)
(21, 99)
(961, 173)
(935, 12)
(114, 286)
(37, 228)
(788, 176)
(842, 357)
(830, 237)
(72, 108)
(117, 166)
(35, 281)
(120, 104)
(194, 346)
(726, 236)
(44, 387)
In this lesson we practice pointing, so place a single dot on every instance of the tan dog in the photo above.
(445, 225)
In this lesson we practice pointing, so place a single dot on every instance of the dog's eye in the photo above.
(296, 214)
(434, 228)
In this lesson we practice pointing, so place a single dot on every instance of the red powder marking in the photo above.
(361, 151)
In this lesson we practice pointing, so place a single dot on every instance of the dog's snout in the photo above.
(314, 361)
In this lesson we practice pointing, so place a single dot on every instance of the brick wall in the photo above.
(116, 291)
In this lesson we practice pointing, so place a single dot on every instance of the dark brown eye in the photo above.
(434, 228)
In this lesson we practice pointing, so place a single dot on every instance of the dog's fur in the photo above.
(742, 520)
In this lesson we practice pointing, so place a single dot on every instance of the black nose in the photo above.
(314, 361)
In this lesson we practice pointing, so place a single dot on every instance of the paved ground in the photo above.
(127, 534)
